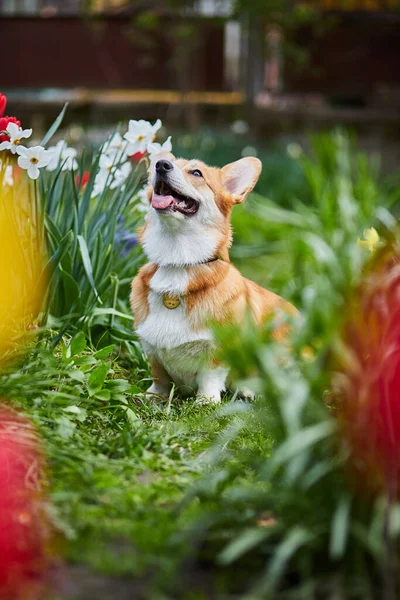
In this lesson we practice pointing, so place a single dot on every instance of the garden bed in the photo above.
(173, 499)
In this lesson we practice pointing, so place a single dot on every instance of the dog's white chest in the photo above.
(167, 328)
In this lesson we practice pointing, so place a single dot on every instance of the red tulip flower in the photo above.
(3, 103)
(4, 121)
(82, 182)
(367, 382)
(137, 156)
(24, 531)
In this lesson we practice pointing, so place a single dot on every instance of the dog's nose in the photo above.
(163, 166)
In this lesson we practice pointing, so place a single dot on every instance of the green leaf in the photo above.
(63, 247)
(120, 385)
(80, 413)
(103, 395)
(71, 290)
(340, 527)
(77, 345)
(53, 128)
(111, 311)
(296, 538)
(274, 214)
(243, 543)
(65, 427)
(133, 418)
(303, 439)
(104, 352)
(97, 377)
(85, 362)
(87, 264)
(77, 375)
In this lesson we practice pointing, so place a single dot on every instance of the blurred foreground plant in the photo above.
(22, 257)
(25, 531)
(26, 536)
(301, 527)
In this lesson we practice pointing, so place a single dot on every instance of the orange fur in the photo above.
(140, 292)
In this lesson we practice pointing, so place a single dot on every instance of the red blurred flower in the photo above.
(81, 183)
(3, 103)
(4, 121)
(24, 531)
(137, 156)
(367, 381)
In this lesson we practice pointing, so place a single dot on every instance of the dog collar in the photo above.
(204, 262)
(172, 301)
(210, 260)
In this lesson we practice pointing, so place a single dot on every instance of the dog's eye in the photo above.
(196, 173)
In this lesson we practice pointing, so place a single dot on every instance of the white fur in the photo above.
(165, 328)
(167, 335)
(165, 243)
(159, 389)
(174, 280)
(183, 363)
(211, 382)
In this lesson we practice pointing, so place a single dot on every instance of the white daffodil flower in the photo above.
(99, 183)
(33, 159)
(120, 175)
(56, 150)
(64, 155)
(140, 134)
(68, 159)
(16, 135)
(107, 163)
(109, 175)
(155, 147)
(115, 146)
(104, 175)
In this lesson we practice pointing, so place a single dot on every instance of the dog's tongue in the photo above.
(161, 201)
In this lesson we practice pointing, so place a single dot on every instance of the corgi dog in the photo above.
(189, 282)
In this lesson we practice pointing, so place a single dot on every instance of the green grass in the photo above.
(118, 465)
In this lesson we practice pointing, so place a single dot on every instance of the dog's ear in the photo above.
(239, 178)
(155, 157)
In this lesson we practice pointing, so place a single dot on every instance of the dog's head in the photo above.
(190, 201)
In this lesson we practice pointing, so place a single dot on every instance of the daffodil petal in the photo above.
(33, 171)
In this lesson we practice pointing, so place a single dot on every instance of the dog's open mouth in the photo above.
(165, 198)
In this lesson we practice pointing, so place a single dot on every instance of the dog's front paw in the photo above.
(157, 390)
(245, 393)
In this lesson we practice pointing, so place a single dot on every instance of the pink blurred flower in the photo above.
(24, 530)
(367, 380)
